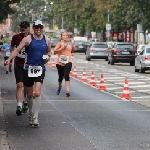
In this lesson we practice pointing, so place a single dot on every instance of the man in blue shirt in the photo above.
(6, 49)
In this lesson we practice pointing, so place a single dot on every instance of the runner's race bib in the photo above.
(63, 59)
(34, 71)
(21, 54)
(7, 54)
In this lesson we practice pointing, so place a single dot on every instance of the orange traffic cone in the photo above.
(84, 77)
(102, 84)
(126, 93)
(92, 81)
(74, 73)
(48, 63)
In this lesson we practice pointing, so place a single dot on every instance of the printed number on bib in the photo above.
(21, 54)
(7, 54)
(34, 71)
(63, 59)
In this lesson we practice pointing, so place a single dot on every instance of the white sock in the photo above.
(19, 104)
(36, 106)
(30, 103)
(24, 100)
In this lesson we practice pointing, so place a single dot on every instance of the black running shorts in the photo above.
(19, 73)
(29, 81)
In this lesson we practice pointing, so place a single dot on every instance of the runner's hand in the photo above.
(47, 59)
(7, 62)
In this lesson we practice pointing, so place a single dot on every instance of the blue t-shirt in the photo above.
(6, 47)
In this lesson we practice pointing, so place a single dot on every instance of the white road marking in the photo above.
(140, 97)
(129, 92)
(133, 83)
(114, 88)
(114, 77)
(143, 90)
(139, 86)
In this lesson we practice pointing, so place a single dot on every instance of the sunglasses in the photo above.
(37, 27)
(25, 27)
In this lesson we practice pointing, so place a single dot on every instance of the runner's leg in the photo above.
(67, 70)
(19, 73)
(60, 77)
(37, 99)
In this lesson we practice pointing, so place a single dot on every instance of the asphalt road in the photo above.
(88, 120)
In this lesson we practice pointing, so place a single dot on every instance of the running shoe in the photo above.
(30, 120)
(6, 72)
(58, 91)
(24, 107)
(35, 122)
(67, 94)
(19, 111)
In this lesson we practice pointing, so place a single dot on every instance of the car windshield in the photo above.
(129, 46)
(55, 40)
(99, 46)
(79, 42)
(148, 50)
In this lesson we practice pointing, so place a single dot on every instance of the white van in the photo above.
(79, 38)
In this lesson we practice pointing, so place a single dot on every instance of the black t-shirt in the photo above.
(1, 43)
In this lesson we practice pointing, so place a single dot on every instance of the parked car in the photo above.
(54, 41)
(140, 48)
(122, 52)
(97, 50)
(142, 61)
(81, 46)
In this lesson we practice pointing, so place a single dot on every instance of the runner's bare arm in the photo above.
(73, 48)
(49, 52)
(22, 44)
(58, 48)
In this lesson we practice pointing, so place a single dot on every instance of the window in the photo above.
(79, 43)
(100, 46)
(148, 50)
(125, 46)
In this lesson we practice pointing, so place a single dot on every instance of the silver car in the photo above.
(142, 61)
(97, 50)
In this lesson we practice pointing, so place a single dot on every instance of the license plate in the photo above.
(125, 52)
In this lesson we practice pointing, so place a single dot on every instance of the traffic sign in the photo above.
(108, 26)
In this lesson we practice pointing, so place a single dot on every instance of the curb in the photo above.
(4, 145)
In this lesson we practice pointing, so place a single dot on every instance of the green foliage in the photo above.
(87, 14)
(5, 8)
(25, 10)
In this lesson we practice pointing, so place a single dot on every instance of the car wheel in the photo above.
(136, 70)
(88, 58)
(142, 70)
(132, 63)
(106, 59)
(112, 62)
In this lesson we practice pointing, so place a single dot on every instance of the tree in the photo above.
(6, 8)
(24, 12)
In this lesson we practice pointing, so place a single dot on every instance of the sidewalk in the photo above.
(3, 134)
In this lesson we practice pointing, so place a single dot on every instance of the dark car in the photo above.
(81, 46)
(54, 41)
(122, 52)
(97, 50)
